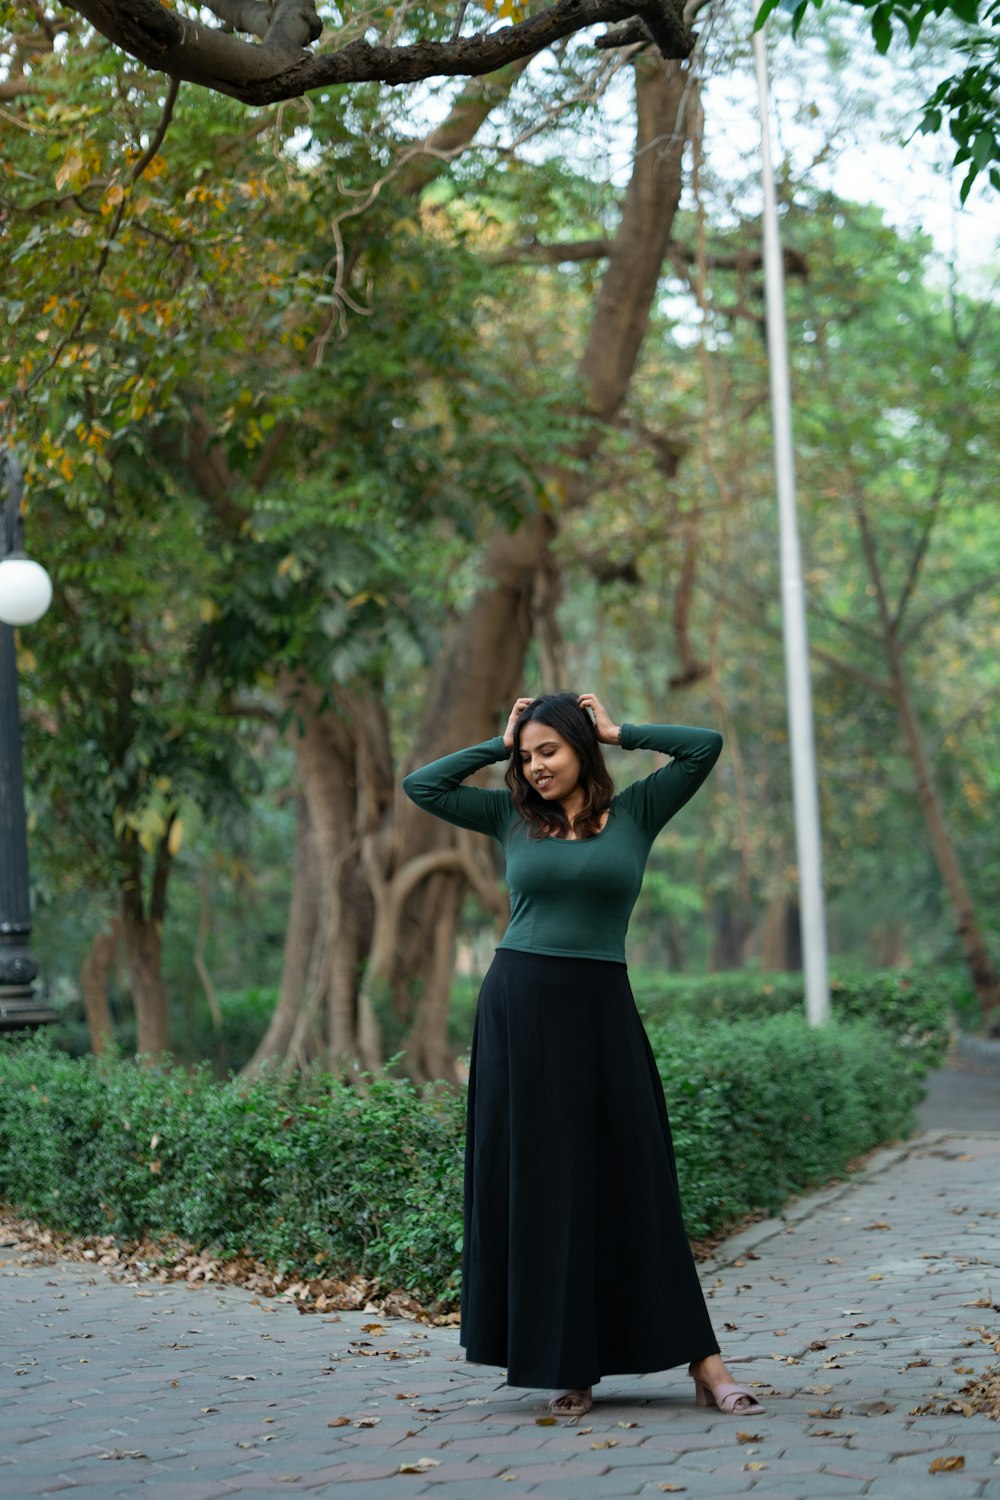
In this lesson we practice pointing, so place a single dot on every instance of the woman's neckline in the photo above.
(554, 837)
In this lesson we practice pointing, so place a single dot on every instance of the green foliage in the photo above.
(322, 1179)
(968, 100)
(912, 1007)
(304, 1172)
(229, 1047)
(762, 1109)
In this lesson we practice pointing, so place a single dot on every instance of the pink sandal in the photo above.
(726, 1398)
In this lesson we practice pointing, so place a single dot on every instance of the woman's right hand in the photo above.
(515, 714)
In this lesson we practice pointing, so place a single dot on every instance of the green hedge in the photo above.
(764, 1109)
(914, 1006)
(318, 1178)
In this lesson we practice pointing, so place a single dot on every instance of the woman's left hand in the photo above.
(608, 732)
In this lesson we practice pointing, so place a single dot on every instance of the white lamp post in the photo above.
(798, 686)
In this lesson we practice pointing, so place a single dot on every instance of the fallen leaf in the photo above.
(237, 1377)
(605, 1443)
(367, 1421)
(964, 1370)
(876, 1408)
(419, 1467)
(730, 1328)
(510, 1476)
(377, 1328)
(750, 1437)
(979, 1302)
(672, 1489)
(878, 1225)
(545, 1421)
(628, 1424)
(755, 1466)
(207, 1409)
(834, 1260)
(945, 1465)
(817, 1390)
(582, 1431)
(832, 1413)
(117, 1453)
(340, 1422)
(406, 1395)
(827, 1432)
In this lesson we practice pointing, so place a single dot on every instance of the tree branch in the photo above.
(551, 255)
(754, 617)
(923, 544)
(952, 602)
(679, 252)
(11, 88)
(281, 66)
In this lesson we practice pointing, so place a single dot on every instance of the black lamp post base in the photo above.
(22, 1010)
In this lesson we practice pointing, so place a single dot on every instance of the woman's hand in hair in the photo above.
(607, 732)
(515, 714)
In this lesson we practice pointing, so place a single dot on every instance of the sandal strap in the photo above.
(726, 1396)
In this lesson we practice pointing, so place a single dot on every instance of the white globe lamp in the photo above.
(25, 590)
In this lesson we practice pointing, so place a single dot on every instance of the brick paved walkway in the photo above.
(858, 1307)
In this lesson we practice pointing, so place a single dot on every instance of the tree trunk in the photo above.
(95, 974)
(142, 941)
(479, 673)
(977, 955)
(344, 771)
(774, 936)
(301, 935)
(730, 931)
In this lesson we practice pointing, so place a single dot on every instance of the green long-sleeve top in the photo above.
(572, 897)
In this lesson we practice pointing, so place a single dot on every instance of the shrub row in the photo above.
(318, 1178)
(913, 1005)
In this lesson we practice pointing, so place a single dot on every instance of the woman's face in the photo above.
(548, 762)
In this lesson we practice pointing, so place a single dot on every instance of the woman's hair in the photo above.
(562, 712)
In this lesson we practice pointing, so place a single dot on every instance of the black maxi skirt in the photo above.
(576, 1263)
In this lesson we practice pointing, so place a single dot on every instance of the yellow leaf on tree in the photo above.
(176, 837)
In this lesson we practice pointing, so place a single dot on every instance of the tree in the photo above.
(894, 392)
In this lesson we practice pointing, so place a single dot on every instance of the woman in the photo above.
(576, 1264)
